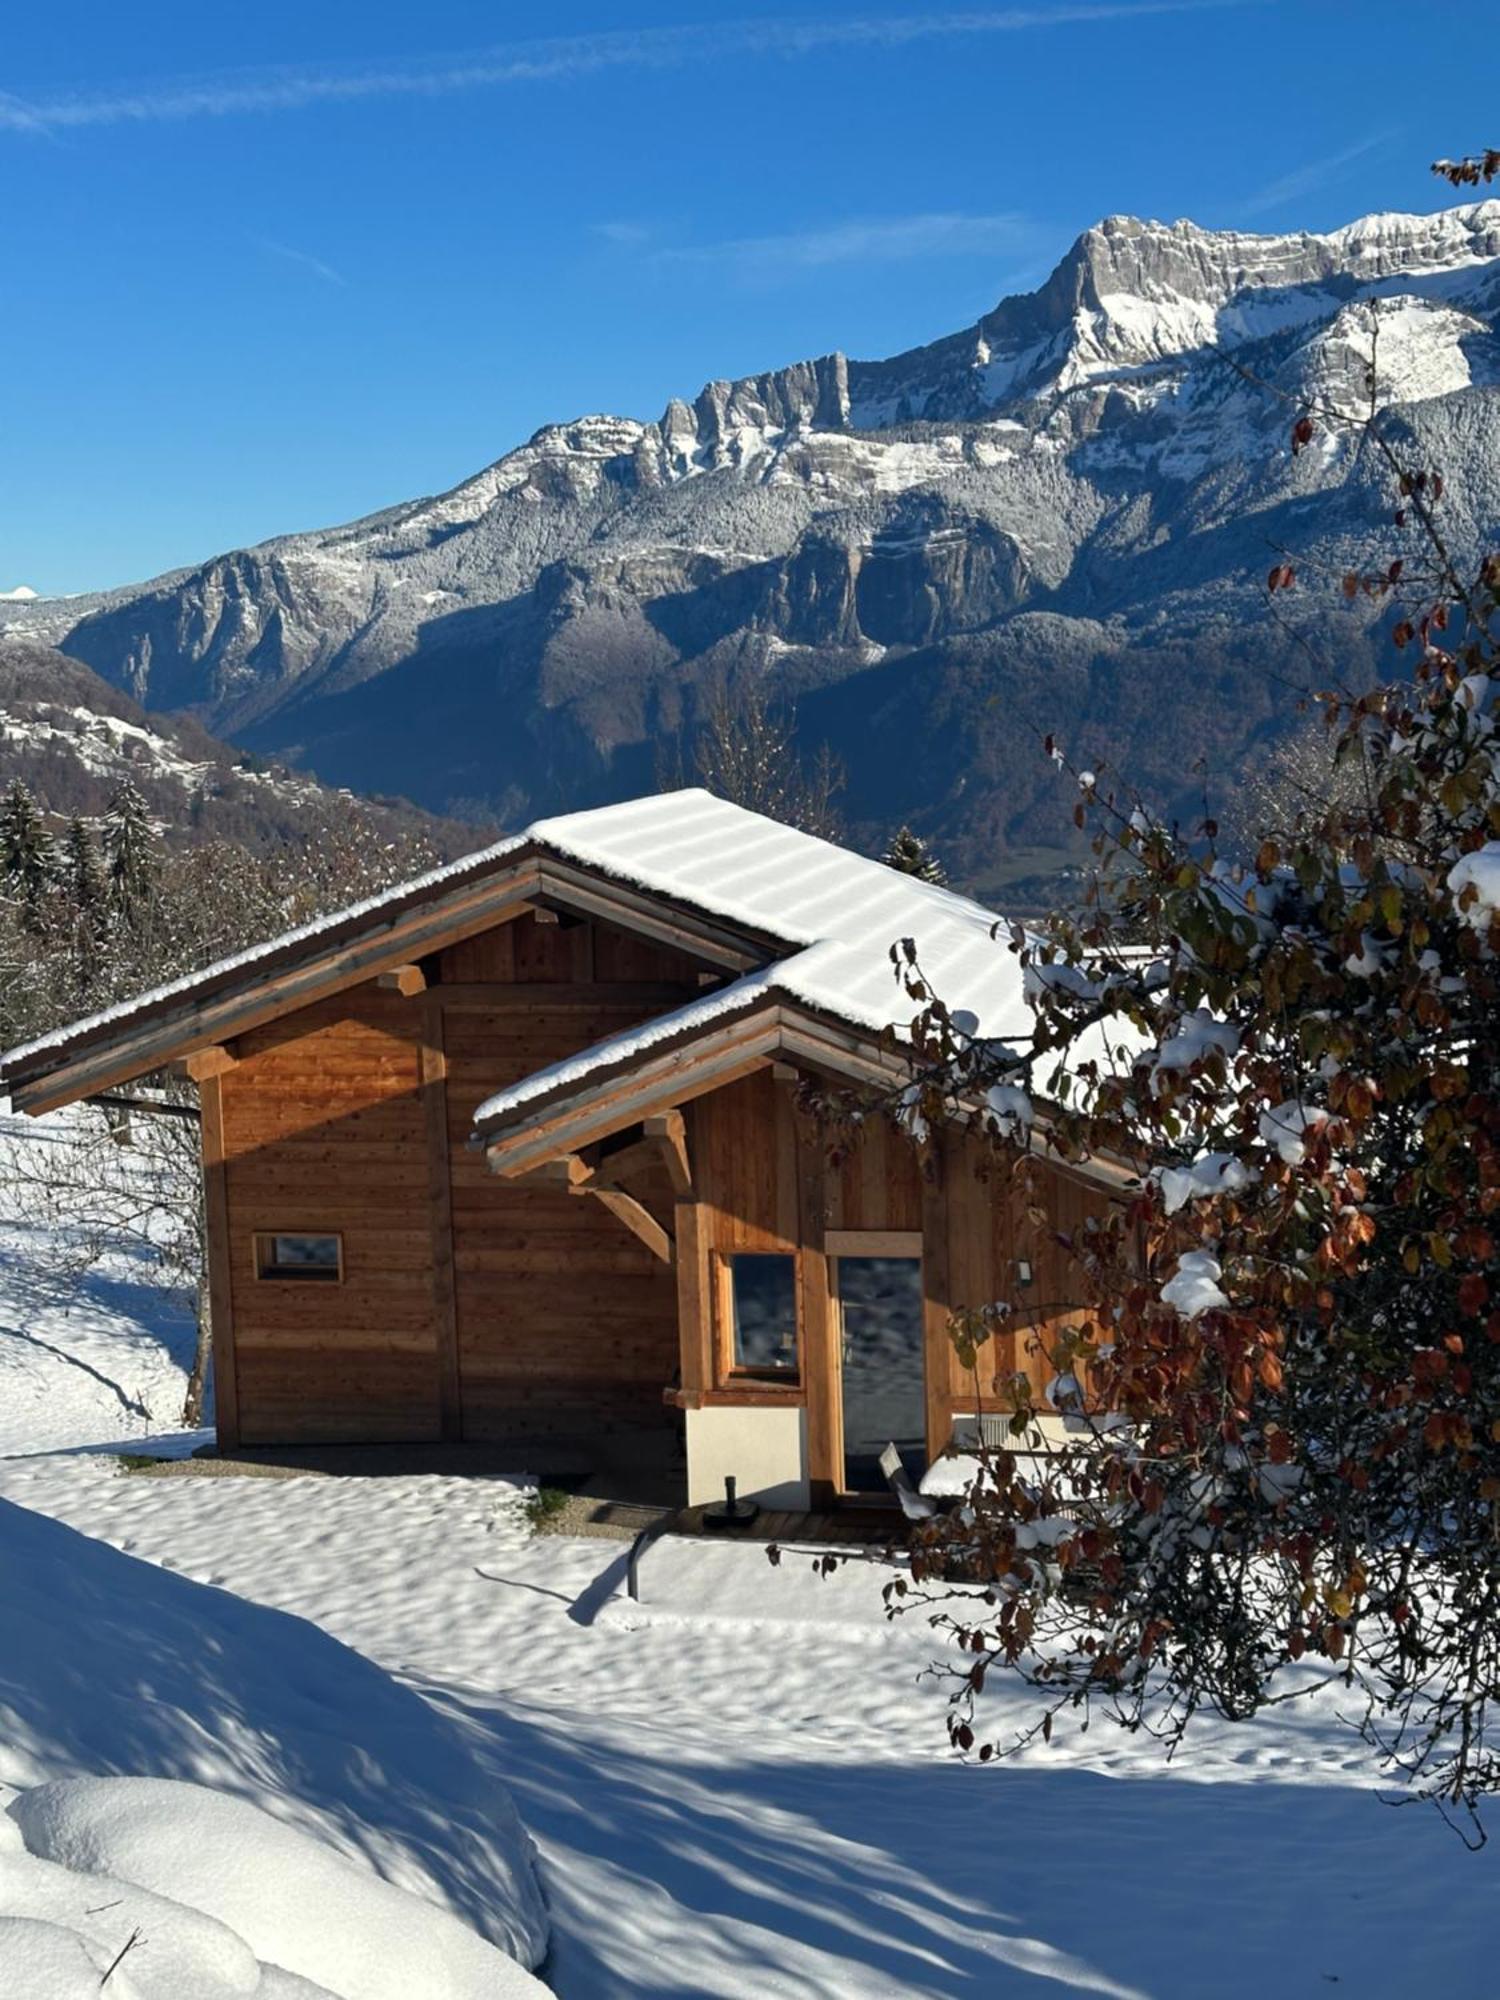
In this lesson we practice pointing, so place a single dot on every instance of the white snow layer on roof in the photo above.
(844, 911)
(841, 909)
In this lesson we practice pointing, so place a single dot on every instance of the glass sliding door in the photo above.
(883, 1379)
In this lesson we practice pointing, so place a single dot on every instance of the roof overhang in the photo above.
(678, 1068)
(325, 959)
(771, 1027)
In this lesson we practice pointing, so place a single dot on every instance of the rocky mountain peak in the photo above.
(1132, 294)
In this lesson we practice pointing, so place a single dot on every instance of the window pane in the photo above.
(763, 1297)
(880, 1305)
(300, 1257)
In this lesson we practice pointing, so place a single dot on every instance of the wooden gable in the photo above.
(465, 1307)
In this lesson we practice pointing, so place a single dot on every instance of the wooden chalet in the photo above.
(514, 1153)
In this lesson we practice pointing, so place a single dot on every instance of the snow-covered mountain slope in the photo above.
(72, 738)
(1059, 518)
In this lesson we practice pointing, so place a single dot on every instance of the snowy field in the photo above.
(738, 1787)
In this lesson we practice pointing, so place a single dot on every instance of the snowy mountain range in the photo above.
(1059, 519)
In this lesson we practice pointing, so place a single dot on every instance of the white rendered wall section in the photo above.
(764, 1450)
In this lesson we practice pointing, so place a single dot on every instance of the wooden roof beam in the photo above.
(264, 995)
(568, 1172)
(570, 886)
(619, 1100)
(407, 980)
(216, 1060)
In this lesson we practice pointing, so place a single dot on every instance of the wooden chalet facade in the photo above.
(515, 1153)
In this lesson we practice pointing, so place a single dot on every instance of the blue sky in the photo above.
(273, 267)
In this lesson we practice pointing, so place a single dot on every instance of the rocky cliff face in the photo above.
(1058, 519)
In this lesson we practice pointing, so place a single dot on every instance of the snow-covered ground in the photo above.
(86, 1356)
(739, 1787)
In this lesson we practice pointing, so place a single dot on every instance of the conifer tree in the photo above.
(130, 854)
(88, 907)
(909, 854)
(28, 857)
(87, 889)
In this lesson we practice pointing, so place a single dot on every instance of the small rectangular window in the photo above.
(304, 1258)
(761, 1296)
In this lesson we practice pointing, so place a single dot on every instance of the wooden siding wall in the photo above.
(324, 1131)
(469, 1307)
(566, 1323)
(764, 1183)
(988, 1235)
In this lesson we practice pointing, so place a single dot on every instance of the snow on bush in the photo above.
(1198, 1034)
(1284, 1128)
(268, 1893)
(1209, 1174)
(1195, 1288)
(113, 1666)
(1475, 882)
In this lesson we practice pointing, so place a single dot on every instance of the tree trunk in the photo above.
(192, 1403)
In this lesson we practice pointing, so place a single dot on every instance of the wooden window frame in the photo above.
(730, 1374)
(265, 1238)
(895, 1243)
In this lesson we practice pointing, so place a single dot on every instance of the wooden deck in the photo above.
(613, 1504)
(603, 1514)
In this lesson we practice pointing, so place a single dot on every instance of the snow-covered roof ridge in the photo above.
(747, 869)
(842, 913)
(826, 916)
(699, 848)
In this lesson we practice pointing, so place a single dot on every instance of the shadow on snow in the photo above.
(675, 1872)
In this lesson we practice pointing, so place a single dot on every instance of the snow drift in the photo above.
(258, 1895)
(312, 1765)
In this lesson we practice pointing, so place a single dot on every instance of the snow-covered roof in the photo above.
(838, 912)
(825, 919)
(755, 872)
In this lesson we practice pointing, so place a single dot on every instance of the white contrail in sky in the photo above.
(878, 239)
(238, 92)
(304, 258)
(1302, 180)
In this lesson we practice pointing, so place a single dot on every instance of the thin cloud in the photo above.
(244, 92)
(625, 235)
(304, 259)
(1306, 179)
(875, 240)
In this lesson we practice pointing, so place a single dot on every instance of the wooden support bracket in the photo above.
(638, 1220)
(667, 1131)
(663, 1143)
